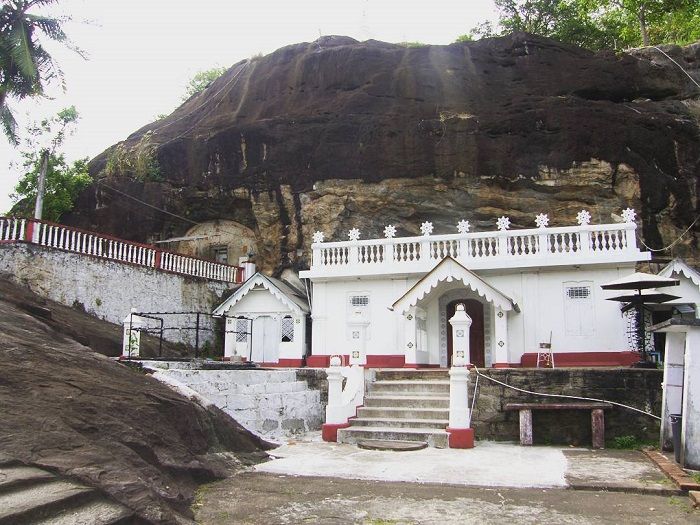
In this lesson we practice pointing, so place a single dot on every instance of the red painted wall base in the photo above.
(373, 361)
(329, 432)
(461, 437)
(563, 359)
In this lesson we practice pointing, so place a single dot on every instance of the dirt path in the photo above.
(255, 498)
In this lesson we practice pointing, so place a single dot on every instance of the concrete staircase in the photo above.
(36, 496)
(403, 405)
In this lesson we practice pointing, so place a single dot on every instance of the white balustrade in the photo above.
(76, 241)
(496, 249)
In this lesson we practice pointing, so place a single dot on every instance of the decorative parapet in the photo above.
(74, 240)
(504, 248)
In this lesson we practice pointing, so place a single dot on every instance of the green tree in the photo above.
(25, 64)
(599, 24)
(202, 80)
(63, 182)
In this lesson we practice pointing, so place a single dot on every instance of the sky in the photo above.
(142, 53)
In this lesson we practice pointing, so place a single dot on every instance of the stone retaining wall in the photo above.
(635, 387)
(109, 289)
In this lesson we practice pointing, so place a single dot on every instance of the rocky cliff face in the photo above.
(336, 134)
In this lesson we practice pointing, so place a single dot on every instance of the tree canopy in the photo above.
(26, 67)
(64, 181)
(202, 80)
(598, 24)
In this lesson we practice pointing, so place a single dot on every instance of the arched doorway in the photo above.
(475, 310)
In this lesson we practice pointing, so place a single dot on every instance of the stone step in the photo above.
(394, 446)
(407, 401)
(404, 386)
(429, 374)
(403, 413)
(28, 504)
(245, 377)
(434, 438)
(398, 423)
(93, 513)
(13, 477)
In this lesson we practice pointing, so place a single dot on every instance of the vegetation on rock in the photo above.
(201, 81)
(598, 24)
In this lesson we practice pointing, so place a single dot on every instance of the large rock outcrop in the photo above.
(335, 134)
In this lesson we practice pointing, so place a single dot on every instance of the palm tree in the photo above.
(25, 65)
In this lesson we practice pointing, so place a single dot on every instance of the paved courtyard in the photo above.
(315, 482)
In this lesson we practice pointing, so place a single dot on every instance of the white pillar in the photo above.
(410, 343)
(673, 383)
(131, 342)
(500, 344)
(334, 414)
(461, 324)
(690, 437)
(358, 338)
(459, 397)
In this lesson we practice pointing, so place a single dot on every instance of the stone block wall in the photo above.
(634, 387)
(109, 289)
(275, 404)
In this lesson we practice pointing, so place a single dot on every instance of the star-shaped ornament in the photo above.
(629, 215)
(463, 226)
(354, 234)
(542, 220)
(503, 223)
(583, 217)
(318, 237)
(390, 231)
(426, 228)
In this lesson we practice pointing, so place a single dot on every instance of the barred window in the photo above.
(241, 330)
(578, 292)
(287, 329)
(359, 300)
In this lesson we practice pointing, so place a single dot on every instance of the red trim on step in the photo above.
(419, 365)
(461, 437)
(373, 361)
(625, 358)
(501, 365)
(329, 432)
(285, 363)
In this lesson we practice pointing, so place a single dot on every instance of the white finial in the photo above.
(629, 215)
(426, 228)
(463, 226)
(503, 223)
(354, 234)
(390, 231)
(318, 237)
(583, 217)
(542, 220)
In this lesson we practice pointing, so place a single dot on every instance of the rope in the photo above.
(564, 395)
(673, 243)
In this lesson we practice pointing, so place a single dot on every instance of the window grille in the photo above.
(221, 254)
(578, 292)
(359, 300)
(287, 329)
(241, 330)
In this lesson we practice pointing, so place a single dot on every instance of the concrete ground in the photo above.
(328, 483)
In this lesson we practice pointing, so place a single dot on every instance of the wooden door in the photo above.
(475, 310)
(266, 342)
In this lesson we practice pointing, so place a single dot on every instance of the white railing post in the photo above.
(342, 403)
(131, 343)
(631, 236)
(460, 433)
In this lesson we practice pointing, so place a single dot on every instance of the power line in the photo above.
(146, 203)
(673, 243)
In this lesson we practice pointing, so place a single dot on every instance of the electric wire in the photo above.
(478, 374)
(100, 183)
(681, 67)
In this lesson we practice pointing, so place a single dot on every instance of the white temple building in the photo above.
(386, 302)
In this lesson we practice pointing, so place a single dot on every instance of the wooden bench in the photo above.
(597, 418)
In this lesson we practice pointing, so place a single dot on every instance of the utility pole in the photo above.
(41, 185)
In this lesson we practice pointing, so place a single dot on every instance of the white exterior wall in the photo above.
(260, 302)
(539, 294)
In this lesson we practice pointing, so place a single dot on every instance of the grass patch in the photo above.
(630, 443)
